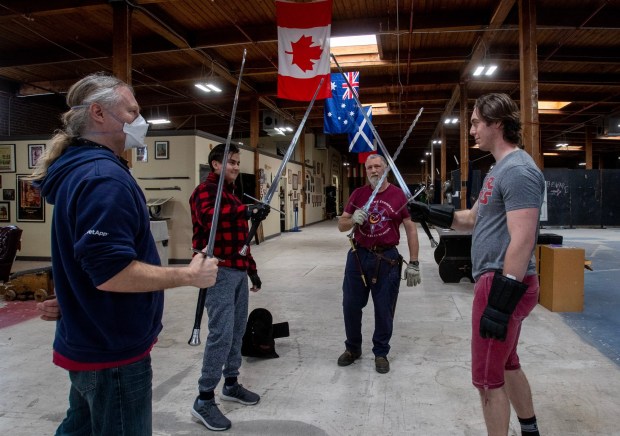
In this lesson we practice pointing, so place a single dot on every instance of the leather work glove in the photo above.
(505, 294)
(359, 217)
(257, 212)
(437, 214)
(412, 273)
(256, 282)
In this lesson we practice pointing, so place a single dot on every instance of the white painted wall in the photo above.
(185, 153)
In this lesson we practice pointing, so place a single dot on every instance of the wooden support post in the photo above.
(529, 79)
(464, 140)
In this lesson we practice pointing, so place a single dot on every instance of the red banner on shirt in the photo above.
(303, 49)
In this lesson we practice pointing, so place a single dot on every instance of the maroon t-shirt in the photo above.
(386, 213)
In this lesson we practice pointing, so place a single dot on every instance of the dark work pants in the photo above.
(384, 295)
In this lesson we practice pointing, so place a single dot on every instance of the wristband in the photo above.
(510, 276)
(414, 263)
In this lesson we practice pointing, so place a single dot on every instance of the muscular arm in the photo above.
(464, 220)
(412, 238)
(142, 277)
(344, 222)
(522, 225)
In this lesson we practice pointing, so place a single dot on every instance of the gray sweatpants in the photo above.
(227, 309)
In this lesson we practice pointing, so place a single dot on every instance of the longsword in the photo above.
(386, 154)
(194, 339)
(274, 184)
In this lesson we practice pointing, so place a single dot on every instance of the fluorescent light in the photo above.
(582, 164)
(202, 87)
(479, 70)
(213, 87)
(490, 70)
(348, 41)
(455, 120)
(551, 154)
(158, 121)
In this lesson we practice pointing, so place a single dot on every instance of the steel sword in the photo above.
(194, 339)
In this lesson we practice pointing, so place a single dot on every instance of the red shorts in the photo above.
(490, 357)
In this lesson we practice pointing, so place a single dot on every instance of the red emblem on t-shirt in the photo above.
(486, 191)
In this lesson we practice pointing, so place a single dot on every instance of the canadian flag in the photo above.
(303, 49)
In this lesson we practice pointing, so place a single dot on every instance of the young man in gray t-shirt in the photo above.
(504, 221)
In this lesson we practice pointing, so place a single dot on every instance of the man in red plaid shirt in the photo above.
(227, 300)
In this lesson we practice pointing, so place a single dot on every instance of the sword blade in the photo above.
(220, 183)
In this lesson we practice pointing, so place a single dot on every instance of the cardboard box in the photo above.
(561, 278)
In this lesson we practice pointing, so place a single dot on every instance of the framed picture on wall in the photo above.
(35, 151)
(5, 211)
(30, 204)
(7, 158)
(142, 154)
(161, 149)
(295, 181)
(8, 194)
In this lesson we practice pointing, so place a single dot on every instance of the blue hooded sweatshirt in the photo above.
(100, 225)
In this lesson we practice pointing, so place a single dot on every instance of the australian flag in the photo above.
(341, 109)
(361, 138)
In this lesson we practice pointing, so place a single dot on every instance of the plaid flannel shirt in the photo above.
(232, 225)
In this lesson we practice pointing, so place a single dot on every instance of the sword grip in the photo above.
(248, 239)
(428, 233)
(194, 340)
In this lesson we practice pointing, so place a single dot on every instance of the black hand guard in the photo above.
(257, 212)
(437, 215)
(256, 283)
(504, 296)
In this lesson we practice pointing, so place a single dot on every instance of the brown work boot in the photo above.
(382, 365)
(347, 358)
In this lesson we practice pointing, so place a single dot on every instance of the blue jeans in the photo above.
(384, 295)
(115, 401)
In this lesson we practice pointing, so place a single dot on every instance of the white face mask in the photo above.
(135, 133)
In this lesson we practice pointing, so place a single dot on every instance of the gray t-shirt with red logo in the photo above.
(515, 182)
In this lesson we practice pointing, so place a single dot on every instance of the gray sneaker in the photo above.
(208, 413)
(239, 394)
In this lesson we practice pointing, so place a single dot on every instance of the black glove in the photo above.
(257, 212)
(504, 296)
(436, 214)
(255, 279)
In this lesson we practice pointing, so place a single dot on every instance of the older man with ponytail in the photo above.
(106, 269)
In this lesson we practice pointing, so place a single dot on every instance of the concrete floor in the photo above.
(428, 391)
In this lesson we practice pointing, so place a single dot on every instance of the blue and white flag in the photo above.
(361, 139)
(341, 109)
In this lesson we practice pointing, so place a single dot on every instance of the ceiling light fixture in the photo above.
(451, 120)
(487, 70)
(207, 87)
(436, 141)
(158, 121)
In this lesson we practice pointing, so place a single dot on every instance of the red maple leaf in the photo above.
(304, 54)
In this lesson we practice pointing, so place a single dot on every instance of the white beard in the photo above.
(373, 181)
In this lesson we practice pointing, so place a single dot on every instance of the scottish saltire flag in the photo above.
(361, 139)
(303, 49)
(341, 109)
